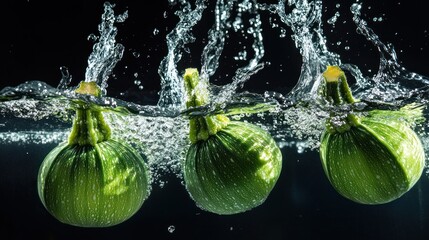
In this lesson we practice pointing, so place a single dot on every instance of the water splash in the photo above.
(393, 82)
(172, 95)
(163, 140)
(106, 52)
(254, 29)
(305, 22)
(172, 88)
(304, 112)
(160, 132)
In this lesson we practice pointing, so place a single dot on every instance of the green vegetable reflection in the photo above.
(93, 180)
(231, 166)
(373, 158)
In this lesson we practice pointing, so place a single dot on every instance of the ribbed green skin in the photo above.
(375, 162)
(93, 186)
(234, 170)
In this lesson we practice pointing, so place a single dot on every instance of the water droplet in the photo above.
(171, 228)
(355, 8)
(136, 54)
(242, 55)
(282, 33)
(92, 37)
(333, 19)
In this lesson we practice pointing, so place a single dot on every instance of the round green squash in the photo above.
(93, 180)
(374, 158)
(93, 186)
(230, 166)
(233, 170)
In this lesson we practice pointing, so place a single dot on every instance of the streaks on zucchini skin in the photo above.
(372, 159)
(373, 163)
(234, 170)
(93, 186)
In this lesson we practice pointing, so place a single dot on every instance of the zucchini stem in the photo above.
(89, 126)
(337, 92)
(337, 88)
(197, 93)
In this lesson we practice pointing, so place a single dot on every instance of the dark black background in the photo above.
(38, 37)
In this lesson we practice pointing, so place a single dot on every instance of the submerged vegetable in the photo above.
(230, 166)
(92, 180)
(373, 158)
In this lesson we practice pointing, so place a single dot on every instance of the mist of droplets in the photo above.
(162, 140)
(33, 137)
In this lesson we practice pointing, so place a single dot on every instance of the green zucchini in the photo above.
(230, 166)
(372, 158)
(93, 180)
